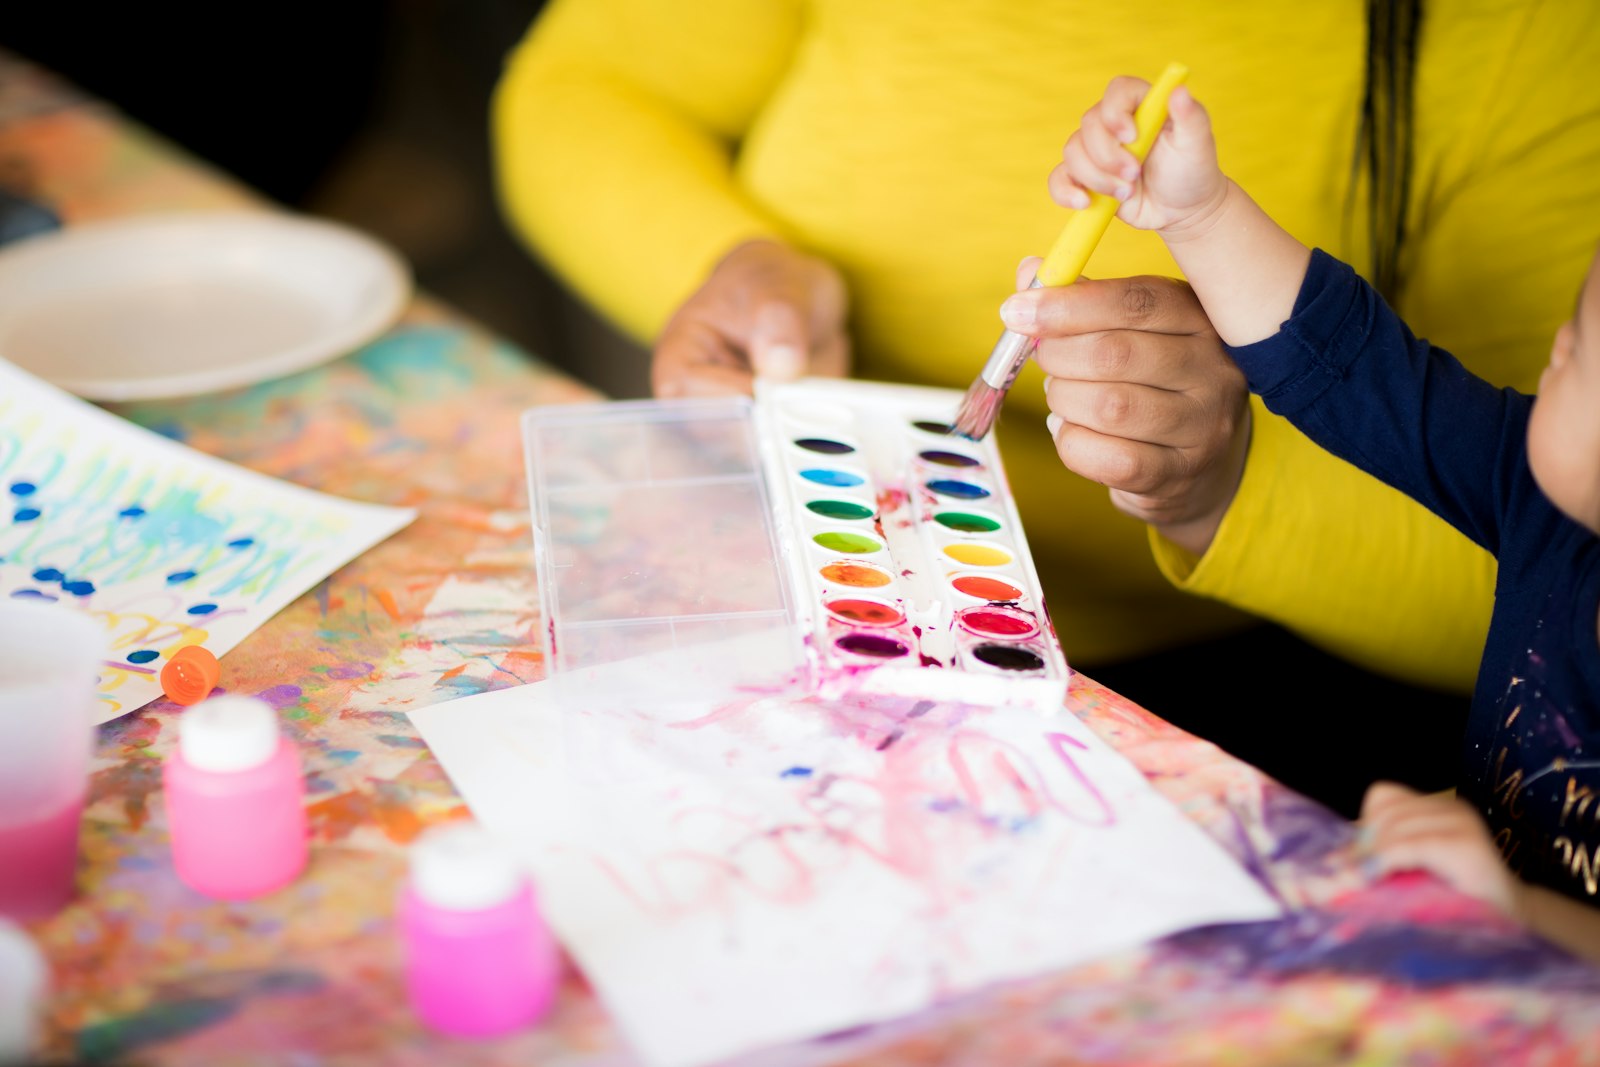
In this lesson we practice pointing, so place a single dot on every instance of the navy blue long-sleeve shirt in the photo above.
(1350, 375)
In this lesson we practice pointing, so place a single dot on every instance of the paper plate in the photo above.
(173, 305)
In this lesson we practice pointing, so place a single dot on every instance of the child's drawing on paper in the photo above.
(166, 546)
(772, 870)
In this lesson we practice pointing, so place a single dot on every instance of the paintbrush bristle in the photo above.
(978, 412)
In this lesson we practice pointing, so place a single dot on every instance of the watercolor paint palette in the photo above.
(832, 527)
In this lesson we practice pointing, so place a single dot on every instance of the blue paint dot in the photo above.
(47, 574)
(33, 594)
(180, 576)
(796, 772)
(243, 542)
(79, 588)
(23, 488)
(144, 655)
(134, 512)
(202, 609)
(828, 476)
(25, 514)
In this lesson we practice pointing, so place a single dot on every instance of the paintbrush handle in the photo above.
(1085, 228)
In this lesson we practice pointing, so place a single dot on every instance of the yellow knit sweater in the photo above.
(639, 140)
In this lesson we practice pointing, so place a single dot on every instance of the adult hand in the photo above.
(1143, 398)
(766, 309)
(1410, 831)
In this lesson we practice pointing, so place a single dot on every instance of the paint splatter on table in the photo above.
(145, 970)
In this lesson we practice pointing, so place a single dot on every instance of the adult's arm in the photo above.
(615, 127)
(1508, 176)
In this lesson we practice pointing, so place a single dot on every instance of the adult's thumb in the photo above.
(779, 341)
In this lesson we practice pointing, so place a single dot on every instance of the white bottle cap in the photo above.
(228, 734)
(458, 867)
(23, 979)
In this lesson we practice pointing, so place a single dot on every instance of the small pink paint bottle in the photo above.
(480, 961)
(235, 800)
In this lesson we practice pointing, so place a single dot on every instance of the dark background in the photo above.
(372, 112)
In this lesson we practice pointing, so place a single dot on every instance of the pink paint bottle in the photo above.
(50, 659)
(235, 800)
(479, 959)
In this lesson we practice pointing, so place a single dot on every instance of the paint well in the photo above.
(953, 487)
(875, 646)
(825, 445)
(853, 543)
(991, 589)
(977, 554)
(943, 458)
(839, 509)
(1009, 657)
(835, 479)
(867, 612)
(998, 622)
(938, 429)
(966, 521)
(856, 575)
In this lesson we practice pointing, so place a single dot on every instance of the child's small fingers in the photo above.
(1122, 97)
(1065, 191)
(1083, 171)
(1191, 124)
(1105, 150)
(1382, 795)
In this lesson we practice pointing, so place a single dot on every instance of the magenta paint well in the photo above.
(873, 646)
(865, 612)
(826, 446)
(942, 458)
(1005, 623)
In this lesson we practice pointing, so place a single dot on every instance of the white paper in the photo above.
(772, 870)
(165, 545)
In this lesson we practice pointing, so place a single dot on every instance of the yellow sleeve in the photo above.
(1504, 202)
(601, 90)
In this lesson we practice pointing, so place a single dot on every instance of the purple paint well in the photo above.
(875, 646)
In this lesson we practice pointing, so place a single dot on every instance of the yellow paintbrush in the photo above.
(981, 406)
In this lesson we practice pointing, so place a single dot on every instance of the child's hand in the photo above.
(1442, 835)
(1179, 183)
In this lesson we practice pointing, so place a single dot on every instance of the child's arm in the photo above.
(1245, 268)
(1444, 836)
(1318, 344)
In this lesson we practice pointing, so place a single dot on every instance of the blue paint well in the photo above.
(827, 476)
(144, 655)
(960, 490)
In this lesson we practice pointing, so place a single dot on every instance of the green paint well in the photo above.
(966, 522)
(839, 509)
(849, 543)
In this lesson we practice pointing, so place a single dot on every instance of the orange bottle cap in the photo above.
(190, 675)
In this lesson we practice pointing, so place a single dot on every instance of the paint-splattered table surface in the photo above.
(427, 416)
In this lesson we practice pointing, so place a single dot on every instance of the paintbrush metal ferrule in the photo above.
(1006, 359)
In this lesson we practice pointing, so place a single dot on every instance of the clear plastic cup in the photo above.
(50, 659)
